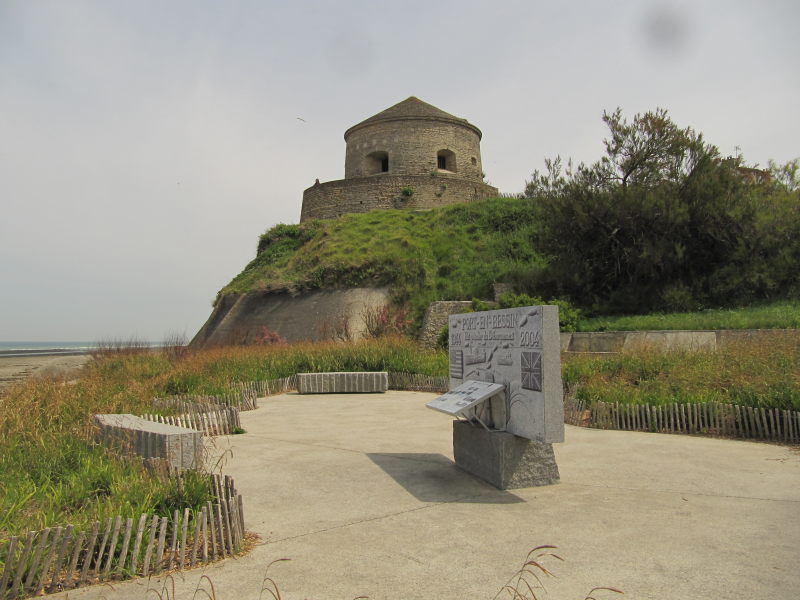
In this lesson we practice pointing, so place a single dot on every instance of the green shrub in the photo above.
(479, 305)
(568, 315)
(443, 339)
(284, 238)
(663, 222)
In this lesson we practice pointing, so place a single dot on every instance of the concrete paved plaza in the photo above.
(361, 493)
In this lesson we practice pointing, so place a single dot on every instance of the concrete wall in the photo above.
(241, 318)
(335, 198)
(622, 341)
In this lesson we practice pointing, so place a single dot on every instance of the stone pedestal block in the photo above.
(503, 459)
(182, 448)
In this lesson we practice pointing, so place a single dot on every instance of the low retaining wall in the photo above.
(712, 339)
(346, 382)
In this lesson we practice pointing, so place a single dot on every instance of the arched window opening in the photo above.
(446, 160)
(377, 162)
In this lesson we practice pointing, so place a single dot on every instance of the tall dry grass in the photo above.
(757, 374)
(212, 370)
(52, 471)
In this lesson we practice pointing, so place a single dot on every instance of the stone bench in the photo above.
(343, 383)
(181, 447)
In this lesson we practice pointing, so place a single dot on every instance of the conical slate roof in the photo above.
(412, 108)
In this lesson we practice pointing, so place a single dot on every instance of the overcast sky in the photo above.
(144, 145)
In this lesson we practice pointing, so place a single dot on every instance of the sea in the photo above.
(10, 349)
(66, 348)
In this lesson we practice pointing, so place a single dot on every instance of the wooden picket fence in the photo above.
(397, 381)
(239, 399)
(62, 558)
(268, 387)
(417, 383)
(219, 420)
(242, 395)
(710, 418)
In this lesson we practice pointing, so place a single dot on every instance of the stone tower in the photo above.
(411, 155)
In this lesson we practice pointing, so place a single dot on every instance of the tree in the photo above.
(787, 175)
(661, 221)
(649, 151)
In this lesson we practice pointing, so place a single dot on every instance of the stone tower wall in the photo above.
(392, 160)
(335, 198)
(412, 147)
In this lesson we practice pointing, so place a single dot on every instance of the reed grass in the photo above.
(756, 374)
(212, 370)
(527, 583)
(51, 470)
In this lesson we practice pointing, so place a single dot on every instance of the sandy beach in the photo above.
(16, 368)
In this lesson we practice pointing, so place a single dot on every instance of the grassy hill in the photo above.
(452, 253)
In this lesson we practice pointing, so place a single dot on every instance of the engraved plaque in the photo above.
(520, 349)
(460, 399)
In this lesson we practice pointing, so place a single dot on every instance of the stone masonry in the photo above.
(411, 155)
(436, 318)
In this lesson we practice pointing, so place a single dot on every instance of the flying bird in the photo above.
(301, 119)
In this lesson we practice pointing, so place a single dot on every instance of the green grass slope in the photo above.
(781, 314)
(452, 253)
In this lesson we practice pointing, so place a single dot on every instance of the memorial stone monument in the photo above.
(506, 392)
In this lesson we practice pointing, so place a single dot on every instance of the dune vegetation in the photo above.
(52, 471)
